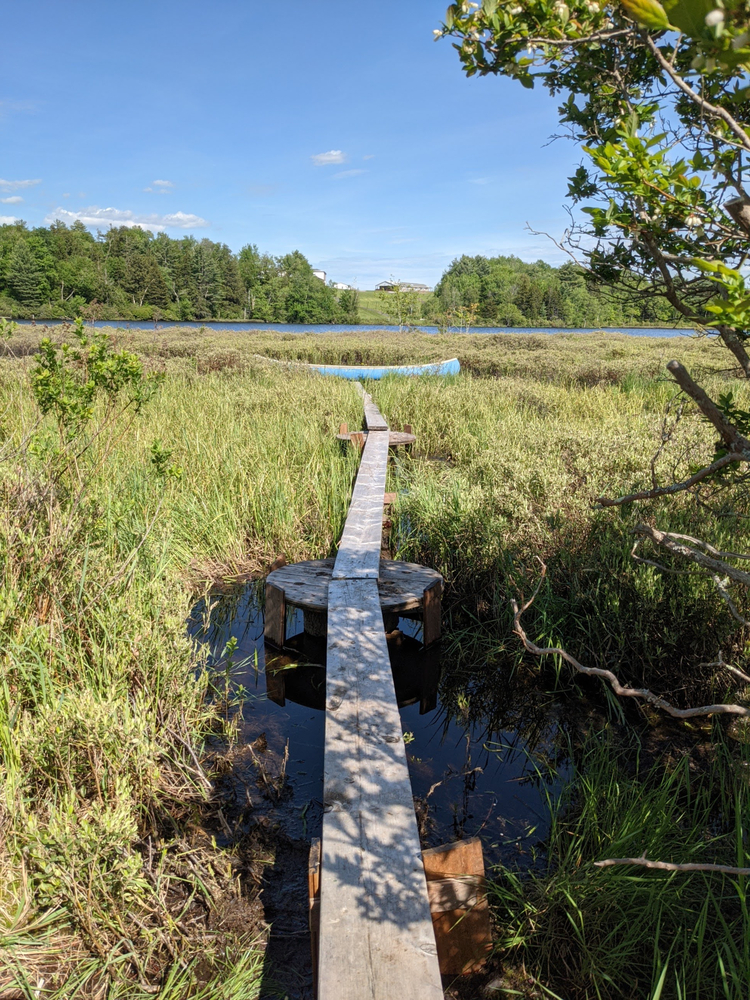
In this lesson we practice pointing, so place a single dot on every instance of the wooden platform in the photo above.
(396, 439)
(376, 937)
(401, 585)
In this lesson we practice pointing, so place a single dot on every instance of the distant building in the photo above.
(405, 286)
(342, 287)
(320, 274)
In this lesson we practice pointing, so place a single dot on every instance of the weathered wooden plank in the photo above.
(359, 548)
(454, 893)
(374, 419)
(458, 901)
(376, 936)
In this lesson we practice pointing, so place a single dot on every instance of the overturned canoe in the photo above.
(450, 367)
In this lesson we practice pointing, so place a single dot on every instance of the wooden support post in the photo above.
(357, 438)
(408, 430)
(430, 679)
(432, 612)
(458, 904)
(313, 890)
(343, 429)
(274, 627)
(275, 683)
(456, 889)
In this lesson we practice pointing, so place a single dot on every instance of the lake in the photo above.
(250, 326)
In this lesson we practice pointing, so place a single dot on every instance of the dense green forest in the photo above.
(129, 273)
(506, 291)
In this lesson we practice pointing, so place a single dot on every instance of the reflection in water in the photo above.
(482, 746)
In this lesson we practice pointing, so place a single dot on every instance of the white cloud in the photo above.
(160, 187)
(7, 220)
(105, 217)
(326, 159)
(479, 180)
(369, 156)
(16, 185)
(349, 173)
(14, 199)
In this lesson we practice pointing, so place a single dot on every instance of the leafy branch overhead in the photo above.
(657, 96)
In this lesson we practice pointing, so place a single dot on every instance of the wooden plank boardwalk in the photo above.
(376, 935)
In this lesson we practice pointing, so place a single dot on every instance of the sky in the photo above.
(338, 128)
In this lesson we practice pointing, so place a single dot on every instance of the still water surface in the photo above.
(470, 777)
(249, 327)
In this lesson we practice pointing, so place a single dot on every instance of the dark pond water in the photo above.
(483, 756)
(249, 326)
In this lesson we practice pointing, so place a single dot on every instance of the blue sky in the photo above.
(340, 129)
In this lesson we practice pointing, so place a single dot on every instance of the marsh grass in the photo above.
(629, 932)
(507, 470)
(110, 883)
(575, 359)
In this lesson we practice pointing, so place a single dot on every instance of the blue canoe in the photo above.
(451, 367)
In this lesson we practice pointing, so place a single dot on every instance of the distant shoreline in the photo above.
(249, 324)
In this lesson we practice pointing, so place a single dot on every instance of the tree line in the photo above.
(63, 271)
(129, 273)
(506, 291)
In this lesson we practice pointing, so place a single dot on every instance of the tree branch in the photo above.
(704, 105)
(669, 866)
(686, 484)
(672, 543)
(607, 675)
(729, 434)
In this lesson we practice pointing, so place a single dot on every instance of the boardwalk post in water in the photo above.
(274, 627)
(376, 936)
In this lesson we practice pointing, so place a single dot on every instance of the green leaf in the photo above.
(689, 15)
(705, 265)
(649, 13)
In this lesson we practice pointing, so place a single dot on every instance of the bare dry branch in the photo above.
(673, 543)
(721, 586)
(650, 562)
(686, 484)
(708, 547)
(727, 666)
(607, 675)
(669, 866)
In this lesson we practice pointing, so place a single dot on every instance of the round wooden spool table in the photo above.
(407, 590)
